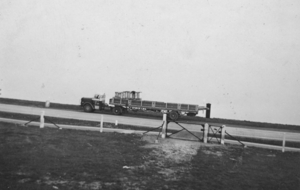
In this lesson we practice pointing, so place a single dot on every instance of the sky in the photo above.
(240, 56)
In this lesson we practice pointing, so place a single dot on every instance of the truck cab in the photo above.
(95, 103)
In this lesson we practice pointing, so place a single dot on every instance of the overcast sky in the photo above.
(240, 56)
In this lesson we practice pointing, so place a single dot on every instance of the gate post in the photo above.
(42, 120)
(223, 134)
(205, 132)
(165, 125)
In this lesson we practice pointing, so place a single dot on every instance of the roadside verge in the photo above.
(128, 131)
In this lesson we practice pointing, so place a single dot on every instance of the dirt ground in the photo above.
(33, 158)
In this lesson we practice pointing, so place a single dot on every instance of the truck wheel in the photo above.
(88, 108)
(174, 115)
(117, 110)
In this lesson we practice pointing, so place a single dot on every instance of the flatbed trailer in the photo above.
(130, 100)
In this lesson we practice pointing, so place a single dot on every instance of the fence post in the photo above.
(101, 124)
(223, 134)
(165, 125)
(42, 120)
(283, 142)
(205, 132)
(116, 123)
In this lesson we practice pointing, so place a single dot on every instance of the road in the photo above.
(143, 122)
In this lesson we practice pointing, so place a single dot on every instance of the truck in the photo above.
(126, 101)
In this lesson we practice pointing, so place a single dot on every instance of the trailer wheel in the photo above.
(174, 115)
(191, 114)
(88, 108)
(117, 110)
(124, 110)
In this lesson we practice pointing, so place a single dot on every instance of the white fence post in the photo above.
(223, 134)
(283, 142)
(205, 132)
(42, 120)
(116, 123)
(101, 124)
(164, 128)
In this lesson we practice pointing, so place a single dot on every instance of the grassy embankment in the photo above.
(191, 119)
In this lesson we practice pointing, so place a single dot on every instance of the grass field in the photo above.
(49, 158)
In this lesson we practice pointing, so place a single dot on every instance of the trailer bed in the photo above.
(155, 105)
